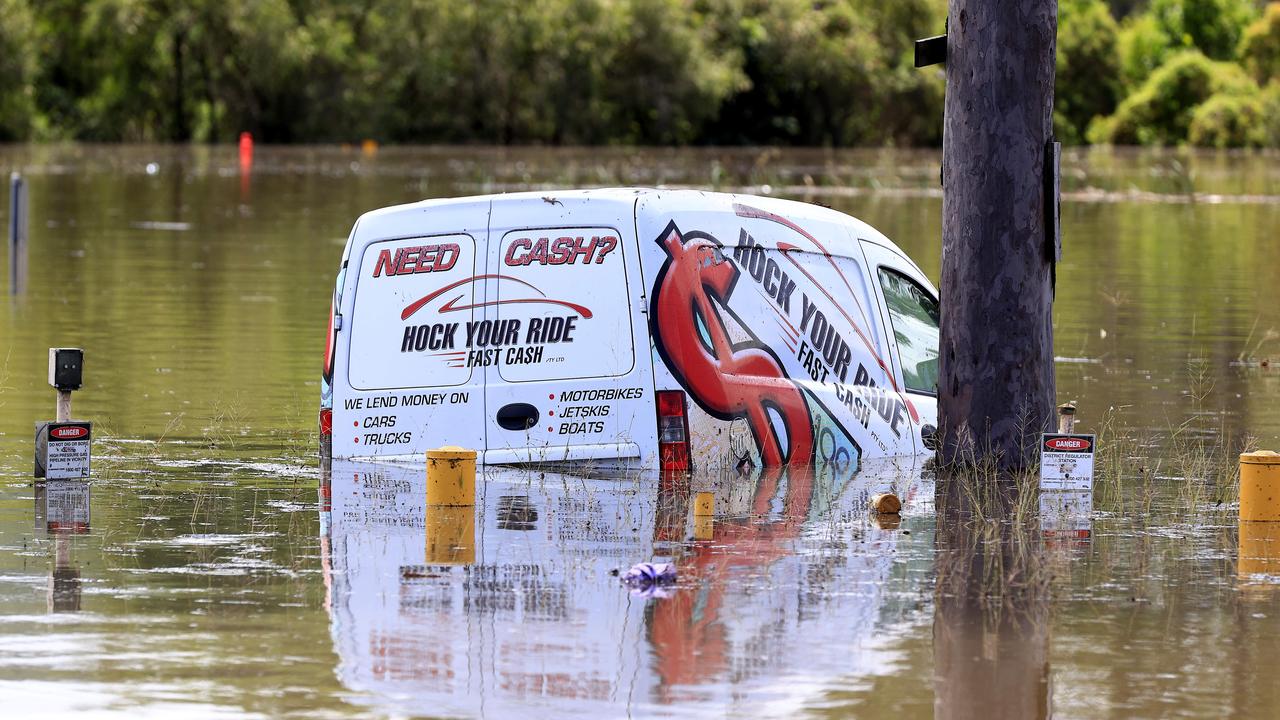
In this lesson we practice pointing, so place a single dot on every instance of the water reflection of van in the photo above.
(512, 608)
(672, 329)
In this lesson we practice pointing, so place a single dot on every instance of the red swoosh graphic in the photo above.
(449, 306)
(747, 211)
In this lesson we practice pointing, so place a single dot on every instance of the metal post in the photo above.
(1067, 418)
(18, 222)
(64, 406)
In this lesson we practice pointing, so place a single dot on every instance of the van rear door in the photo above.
(564, 341)
(419, 284)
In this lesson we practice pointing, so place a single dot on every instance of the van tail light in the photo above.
(673, 431)
(330, 346)
(326, 436)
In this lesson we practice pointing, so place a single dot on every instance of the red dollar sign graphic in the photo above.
(727, 381)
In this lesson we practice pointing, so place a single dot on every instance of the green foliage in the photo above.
(1260, 47)
(1088, 67)
(1213, 27)
(1148, 39)
(17, 70)
(1144, 46)
(829, 73)
(810, 72)
(1269, 102)
(1228, 121)
(1159, 113)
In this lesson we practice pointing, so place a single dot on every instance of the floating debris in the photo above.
(646, 574)
(886, 504)
(160, 225)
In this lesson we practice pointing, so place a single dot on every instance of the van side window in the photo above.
(913, 313)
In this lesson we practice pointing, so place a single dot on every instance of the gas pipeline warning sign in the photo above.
(1066, 462)
(62, 450)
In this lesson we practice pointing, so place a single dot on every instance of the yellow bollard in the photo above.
(451, 477)
(704, 527)
(704, 505)
(1259, 548)
(1260, 486)
(451, 535)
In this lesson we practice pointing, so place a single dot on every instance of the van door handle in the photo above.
(517, 416)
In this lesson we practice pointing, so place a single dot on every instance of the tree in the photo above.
(1088, 67)
(1213, 27)
(17, 71)
(1159, 113)
(1260, 46)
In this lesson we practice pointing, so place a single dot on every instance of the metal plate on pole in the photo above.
(62, 450)
(1066, 462)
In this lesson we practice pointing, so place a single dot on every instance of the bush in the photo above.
(1144, 46)
(1213, 27)
(1088, 67)
(1228, 121)
(1269, 104)
(1159, 113)
(1260, 47)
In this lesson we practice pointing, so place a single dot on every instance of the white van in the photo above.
(680, 330)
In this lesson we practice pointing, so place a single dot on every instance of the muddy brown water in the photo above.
(211, 569)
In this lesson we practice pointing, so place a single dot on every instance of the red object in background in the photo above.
(246, 152)
(326, 421)
(246, 164)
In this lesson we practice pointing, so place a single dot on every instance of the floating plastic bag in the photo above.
(649, 574)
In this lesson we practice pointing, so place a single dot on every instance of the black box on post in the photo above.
(66, 368)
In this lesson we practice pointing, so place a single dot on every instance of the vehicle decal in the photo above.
(747, 211)
(451, 306)
(561, 251)
(727, 380)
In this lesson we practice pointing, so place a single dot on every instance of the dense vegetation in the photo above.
(800, 72)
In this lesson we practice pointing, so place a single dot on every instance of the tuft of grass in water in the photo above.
(1194, 461)
(1251, 349)
(226, 425)
(4, 376)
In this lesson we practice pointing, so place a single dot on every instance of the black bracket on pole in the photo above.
(932, 50)
(1053, 209)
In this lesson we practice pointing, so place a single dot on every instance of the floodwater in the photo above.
(210, 568)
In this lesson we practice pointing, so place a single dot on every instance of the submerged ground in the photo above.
(211, 568)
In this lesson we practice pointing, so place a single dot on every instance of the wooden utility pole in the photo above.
(996, 386)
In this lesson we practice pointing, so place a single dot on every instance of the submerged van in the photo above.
(679, 330)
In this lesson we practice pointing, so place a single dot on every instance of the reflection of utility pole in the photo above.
(999, 242)
(990, 618)
(63, 511)
(64, 580)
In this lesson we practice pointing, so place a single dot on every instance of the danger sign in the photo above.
(62, 450)
(1066, 462)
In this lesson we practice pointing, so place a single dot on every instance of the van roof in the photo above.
(795, 210)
